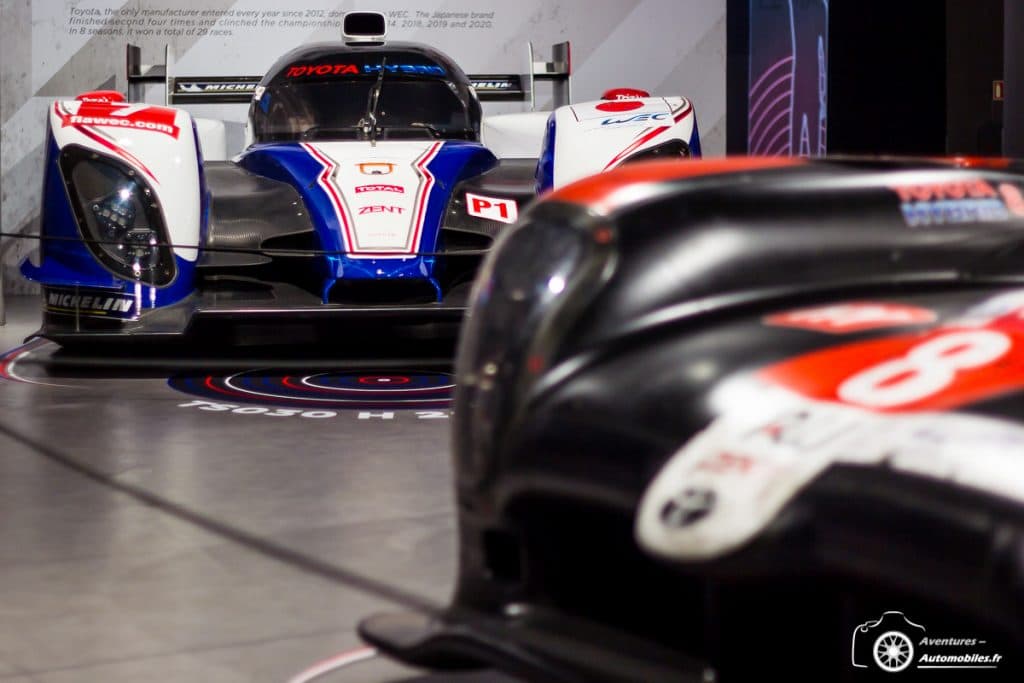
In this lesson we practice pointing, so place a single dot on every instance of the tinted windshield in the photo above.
(334, 109)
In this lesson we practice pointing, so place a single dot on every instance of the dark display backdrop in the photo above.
(911, 77)
(887, 77)
(974, 49)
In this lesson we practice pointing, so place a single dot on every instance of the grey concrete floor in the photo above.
(140, 584)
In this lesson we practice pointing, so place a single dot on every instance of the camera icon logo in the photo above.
(887, 642)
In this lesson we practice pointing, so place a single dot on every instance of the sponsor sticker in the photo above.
(854, 316)
(493, 85)
(726, 484)
(635, 119)
(971, 200)
(491, 208)
(379, 187)
(95, 304)
(380, 208)
(376, 167)
(941, 369)
(121, 115)
(342, 69)
(217, 87)
(301, 70)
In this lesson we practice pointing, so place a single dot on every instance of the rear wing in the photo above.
(240, 89)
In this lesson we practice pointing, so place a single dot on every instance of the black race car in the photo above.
(743, 419)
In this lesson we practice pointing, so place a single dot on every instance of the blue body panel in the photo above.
(695, 141)
(291, 163)
(546, 163)
(66, 262)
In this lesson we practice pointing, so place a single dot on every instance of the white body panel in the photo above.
(514, 136)
(592, 137)
(727, 483)
(212, 139)
(158, 142)
(379, 193)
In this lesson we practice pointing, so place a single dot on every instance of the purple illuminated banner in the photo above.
(787, 98)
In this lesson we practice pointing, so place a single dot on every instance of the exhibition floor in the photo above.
(164, 521)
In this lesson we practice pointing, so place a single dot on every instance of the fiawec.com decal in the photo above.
(121, 115)
(973, 200)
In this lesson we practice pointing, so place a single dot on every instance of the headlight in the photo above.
(118, 216)
(673, 149)
(525, 297)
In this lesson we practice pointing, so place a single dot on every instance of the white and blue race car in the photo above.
(369, 189)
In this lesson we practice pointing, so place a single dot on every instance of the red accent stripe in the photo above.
(423, 194)
(601, 191)
(636, 143)
(209, 385)
(329, 166)
(687, 108)
(412, 247)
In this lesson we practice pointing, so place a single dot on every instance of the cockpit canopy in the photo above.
(323, 92)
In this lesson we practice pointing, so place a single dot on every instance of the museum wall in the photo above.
(53, 49)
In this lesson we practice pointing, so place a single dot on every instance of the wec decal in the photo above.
(491, 208)
(121, 115)
(637, 118)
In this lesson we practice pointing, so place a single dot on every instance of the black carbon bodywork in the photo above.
(561, 428)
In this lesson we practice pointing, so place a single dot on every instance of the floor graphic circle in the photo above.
(336, 390)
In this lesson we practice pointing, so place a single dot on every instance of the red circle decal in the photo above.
(620, 105)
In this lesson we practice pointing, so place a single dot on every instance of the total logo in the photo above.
(380, 187)
(646, 117)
